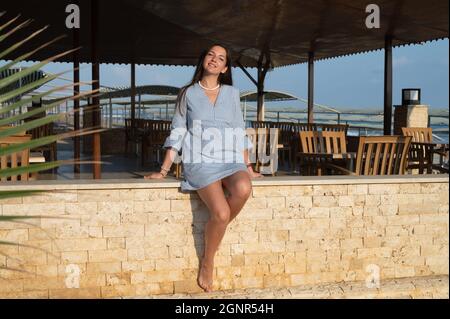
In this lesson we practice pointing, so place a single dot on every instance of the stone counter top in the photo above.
(265, 181)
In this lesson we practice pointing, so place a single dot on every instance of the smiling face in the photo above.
(215, 61)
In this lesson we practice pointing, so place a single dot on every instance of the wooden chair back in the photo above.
(17, 159)
(299, 127)
(5, 127)
(330, 142)
(260, 124)
(157, 131)
(266, 141)
(41, 131)
(311, 142)
(419, 134)
(334, 127)
(335, 142)
(382, 155)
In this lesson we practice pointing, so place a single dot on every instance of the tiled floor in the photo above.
(434, 287)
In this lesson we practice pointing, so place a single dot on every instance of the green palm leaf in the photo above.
(42, 109)
(37, 97)
(20, 26)
(27, 55)
(14, 96)
(20, 43)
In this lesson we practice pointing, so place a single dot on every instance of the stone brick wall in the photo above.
(134, 238)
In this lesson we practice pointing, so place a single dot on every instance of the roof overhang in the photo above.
(170, 32)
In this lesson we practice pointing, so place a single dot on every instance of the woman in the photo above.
(209, 106)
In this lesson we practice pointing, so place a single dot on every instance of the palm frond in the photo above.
(20, 43)
(42, 109)
(20, 26)
(28, 54)
(5, 25)
(32, 168)
(29, 70)
(37, 97)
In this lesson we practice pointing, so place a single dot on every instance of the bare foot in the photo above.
(205, 275)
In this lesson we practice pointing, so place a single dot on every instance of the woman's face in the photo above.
(215, 61)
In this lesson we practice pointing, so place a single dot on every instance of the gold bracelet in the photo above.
(163, 174)
(165, 170)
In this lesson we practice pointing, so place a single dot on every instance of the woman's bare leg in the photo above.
(239, 186)
(214, 199)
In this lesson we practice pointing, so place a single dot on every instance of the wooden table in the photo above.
(321, 159)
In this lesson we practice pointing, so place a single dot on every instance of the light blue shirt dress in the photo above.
(211, 137)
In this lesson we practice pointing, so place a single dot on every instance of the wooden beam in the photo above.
(246, 73)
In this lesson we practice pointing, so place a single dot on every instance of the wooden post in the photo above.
(260, 94)
(110, 113)
(310, 87)
(76, 102)
(167, 110)
(387, 85)
(139, 106)
(95, 86)
(133, 94)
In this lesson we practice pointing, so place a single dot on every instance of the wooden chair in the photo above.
(50, 149)
(17, 159)
(132, 134)
(302, 127)
(419, 134)
(153, 139)
(334, 127)
(260, 124)
(253, 137)
(315, 145)
(420, 158)
(264, 140)
(380, 155)
(4, 127)
(285, 143)
(422, 150)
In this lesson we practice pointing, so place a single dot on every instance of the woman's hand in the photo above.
(254, 174)
(154, 175)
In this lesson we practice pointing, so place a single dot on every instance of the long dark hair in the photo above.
(224, 78)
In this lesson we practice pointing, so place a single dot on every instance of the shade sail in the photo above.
(30, 78)
(272, 96)
(173, 32)
(141, 90)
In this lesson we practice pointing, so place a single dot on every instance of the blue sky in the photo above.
(352, 82)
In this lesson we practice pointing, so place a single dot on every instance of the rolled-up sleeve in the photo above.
(178, 130)
(239, 120)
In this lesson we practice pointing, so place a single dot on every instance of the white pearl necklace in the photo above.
(205, 88)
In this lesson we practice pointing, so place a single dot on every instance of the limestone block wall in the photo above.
(134, 238)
